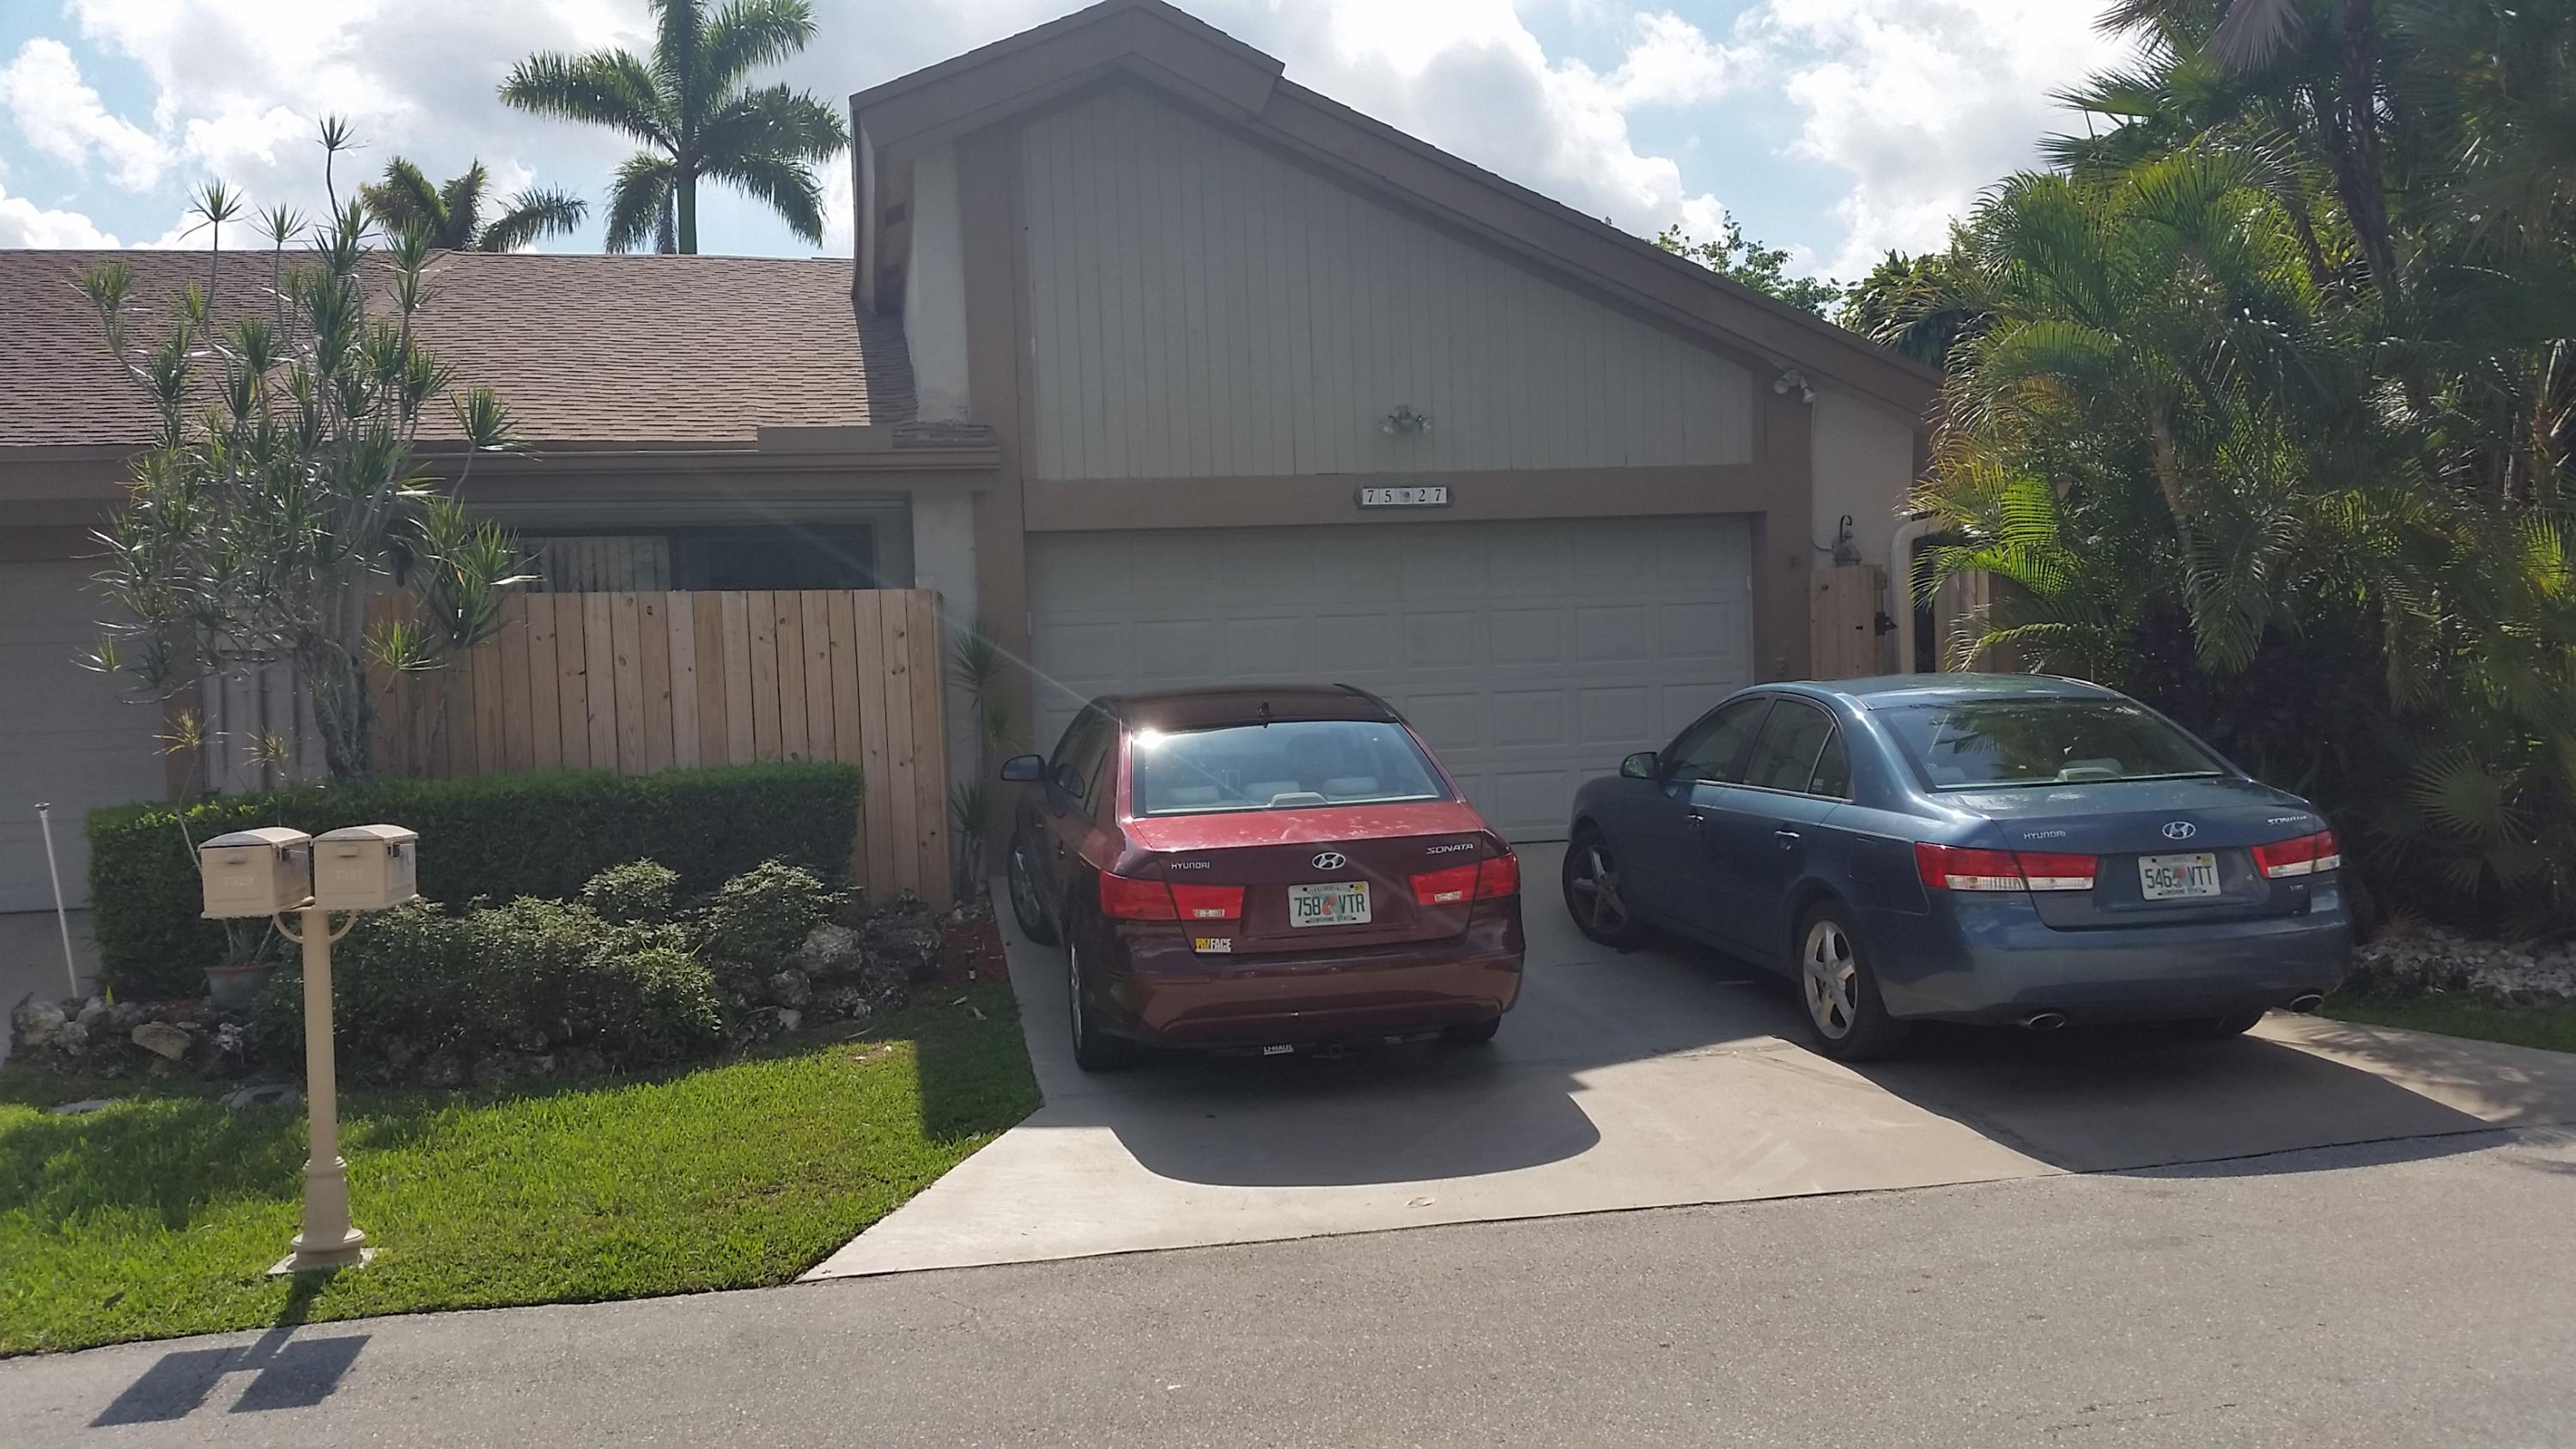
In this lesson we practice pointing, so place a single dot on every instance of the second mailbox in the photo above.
(365, 868)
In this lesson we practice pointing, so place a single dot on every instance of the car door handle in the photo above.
(1694, 820)
(1788, 839)
(1059, 850)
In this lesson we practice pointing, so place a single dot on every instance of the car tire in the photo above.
(1838, 992)
(1026, 906)
(1474, 1033)
(1094, 1050)
(1591, 882)
(2235, 1023)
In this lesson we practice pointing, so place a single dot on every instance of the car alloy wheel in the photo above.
(1593, 895)
(1829, 979)
(1025, 904)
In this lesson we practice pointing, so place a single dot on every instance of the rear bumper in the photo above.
(1993, 960)
(1160, 991)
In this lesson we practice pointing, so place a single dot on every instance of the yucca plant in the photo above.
(976, 665)
(281, 479)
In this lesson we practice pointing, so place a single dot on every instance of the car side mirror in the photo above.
(1024, 769)
(1642, 765)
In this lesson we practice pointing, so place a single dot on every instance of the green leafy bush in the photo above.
(640, 892)
(753, 924)
(532, 976)
(495, 837)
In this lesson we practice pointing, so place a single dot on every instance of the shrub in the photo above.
(753, 924)
(498, 837)
(530, 976)
(636, 893)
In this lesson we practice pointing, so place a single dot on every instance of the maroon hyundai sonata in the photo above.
(1261, 869)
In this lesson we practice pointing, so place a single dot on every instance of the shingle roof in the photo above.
(688, 351)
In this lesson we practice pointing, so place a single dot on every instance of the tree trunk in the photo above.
(2357, 178)
(685, 188)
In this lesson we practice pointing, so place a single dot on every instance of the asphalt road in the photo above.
(2416, 1293)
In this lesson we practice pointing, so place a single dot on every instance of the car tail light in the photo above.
(1446, 887)
(1208, 902)
(1482, 880)
(2302, 855)
(1123, 898)
(1953, 868)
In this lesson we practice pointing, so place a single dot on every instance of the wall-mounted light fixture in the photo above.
(1404, 420)
(1794, 381)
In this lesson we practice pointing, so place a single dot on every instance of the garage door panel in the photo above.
(67, 736)
(1531, 655)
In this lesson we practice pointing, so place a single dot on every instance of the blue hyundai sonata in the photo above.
(1976, 848)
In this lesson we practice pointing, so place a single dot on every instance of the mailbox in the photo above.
(256, 872)
(366, 868)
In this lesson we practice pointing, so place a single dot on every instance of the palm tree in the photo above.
(452, 215)
(696, 118)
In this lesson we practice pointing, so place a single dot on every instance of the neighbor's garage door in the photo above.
(66, 736)
(1532, 655)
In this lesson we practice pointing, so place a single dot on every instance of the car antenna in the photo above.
(1265, 714)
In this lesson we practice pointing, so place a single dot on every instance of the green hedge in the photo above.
(495, 836)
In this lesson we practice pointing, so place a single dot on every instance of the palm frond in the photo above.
(607, 88)
(531, 216)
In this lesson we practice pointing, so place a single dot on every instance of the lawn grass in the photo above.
(2552, 1028)
(161, 1214)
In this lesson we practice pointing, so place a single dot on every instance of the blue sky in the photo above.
(1837, 128)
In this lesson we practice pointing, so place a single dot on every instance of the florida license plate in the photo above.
(2178, 877)
(1344, 904)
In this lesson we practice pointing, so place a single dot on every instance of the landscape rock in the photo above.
(903, 939)
(830, 950)
(92, 1012)
(83, 1107)
(499, 1069)
(790, 988)
(530, 1039)
(771, 1021)
(849, 1003)
(71, 1038)
(264, 1094)
(163, 1040)
(37, 1021)
(443, 1071)
(127, 1015)
(2423, 959)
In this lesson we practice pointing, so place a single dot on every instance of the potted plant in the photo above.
(235, 981)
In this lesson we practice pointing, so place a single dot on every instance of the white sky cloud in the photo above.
(1897, 111)
(25, 224)
(61, 116)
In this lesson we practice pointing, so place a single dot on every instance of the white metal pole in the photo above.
(328, 1240)
(62, 918)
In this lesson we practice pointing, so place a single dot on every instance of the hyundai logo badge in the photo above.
(1331, 860)
(2180, 830)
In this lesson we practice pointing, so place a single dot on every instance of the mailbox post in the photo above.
(274, 871)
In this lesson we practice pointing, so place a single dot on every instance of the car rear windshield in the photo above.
(1982, 744)
(1286, 765)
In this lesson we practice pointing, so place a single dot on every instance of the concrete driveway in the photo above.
(1656, 1078)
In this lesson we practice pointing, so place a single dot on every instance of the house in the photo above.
(1164, 367)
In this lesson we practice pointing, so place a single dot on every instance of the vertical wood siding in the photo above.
(1205, 308)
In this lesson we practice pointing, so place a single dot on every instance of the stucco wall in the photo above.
(1864, 461)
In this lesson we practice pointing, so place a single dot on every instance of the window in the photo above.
(1709, 749)
(1785, 755)
(1833, 770)
(789, 556)
(1074, 772)
(1287, 765)
(1988, 743)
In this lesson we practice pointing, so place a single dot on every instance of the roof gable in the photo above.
(1195, 63)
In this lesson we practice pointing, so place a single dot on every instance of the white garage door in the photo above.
(66, 735)
(1532, 655)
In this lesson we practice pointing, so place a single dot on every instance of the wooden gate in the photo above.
(640, 682)
(1843, 640)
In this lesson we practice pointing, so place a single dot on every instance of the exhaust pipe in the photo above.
(2044, 1020)
(2307, 1001)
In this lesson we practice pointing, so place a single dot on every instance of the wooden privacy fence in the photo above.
(640, 682)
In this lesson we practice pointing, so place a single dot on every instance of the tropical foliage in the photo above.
(280, 479)
(2262, 401)
(696, 116)
(452, 215)
(1740, 259)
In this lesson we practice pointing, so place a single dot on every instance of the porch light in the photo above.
(1404, 420)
